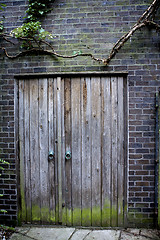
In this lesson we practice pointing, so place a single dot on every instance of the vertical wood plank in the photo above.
(51, 147)
(84, 116)
(56, 150)
(120, 151)
(43, 149)
(106, 151)
(27, 147)
(125, 145)
(68, 147)
(76, 150)
(114, 152)
(16, 144)
(64, 217)
(96, 151)
(59, 129)
(86, 151)
(34, 151)
(21, 151)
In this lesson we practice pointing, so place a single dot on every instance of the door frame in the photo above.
(61, 75)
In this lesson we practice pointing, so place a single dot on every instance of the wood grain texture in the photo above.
(51, 147)
(120, 150)
(114, 189)
(106, 151)
(56, 150)
(86, 151)
(84, 115)
(34, 151)
(68, 147)
(27, 147)
(21, 151)
(96, 150)
(43, 149)
(76, 150)
(64, 214)
(59, 156)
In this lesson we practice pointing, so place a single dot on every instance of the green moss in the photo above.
(95, 216)
(106, 214)
(45, 214)
(86, 217)
(52, 216)
(36, 213)
(69, 217)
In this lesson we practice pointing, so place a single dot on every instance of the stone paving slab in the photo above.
(44, 234)
(62, 233)
(103, 235)
(80, 234)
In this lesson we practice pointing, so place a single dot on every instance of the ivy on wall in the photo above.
(2, 6)
(31, 32)
(34, 38)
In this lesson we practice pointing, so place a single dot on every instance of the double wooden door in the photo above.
(72, 153)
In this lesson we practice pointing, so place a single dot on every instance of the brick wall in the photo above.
(91, 26)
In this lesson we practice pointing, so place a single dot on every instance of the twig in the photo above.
(143, 21)
(152, 8)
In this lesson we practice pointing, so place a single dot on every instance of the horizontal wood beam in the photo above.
(68, 74)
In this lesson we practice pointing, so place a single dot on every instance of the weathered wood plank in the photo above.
(43, 149)
(34, 151)
(27, 147)
(84, 116)
(64, 214)
(76, 150)
(68, 147)
(114, 152)
(59, 135)
(51, 147)
(106, 151)
(125, 146)
(21, 151)
(56, 148)
(120, 151)
(86, 151)
(96, 151)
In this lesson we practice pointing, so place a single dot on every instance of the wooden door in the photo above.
(86, 117)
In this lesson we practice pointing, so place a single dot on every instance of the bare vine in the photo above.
(146, 20)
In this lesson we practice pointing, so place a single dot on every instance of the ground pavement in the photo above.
(62, 233)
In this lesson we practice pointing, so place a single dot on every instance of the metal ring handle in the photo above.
(51, 155)
(68, 155)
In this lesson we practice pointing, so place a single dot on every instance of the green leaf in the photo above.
(2, 210)
(3, 5)
(41, 12)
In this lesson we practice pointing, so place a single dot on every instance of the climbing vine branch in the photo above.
(34, 38)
